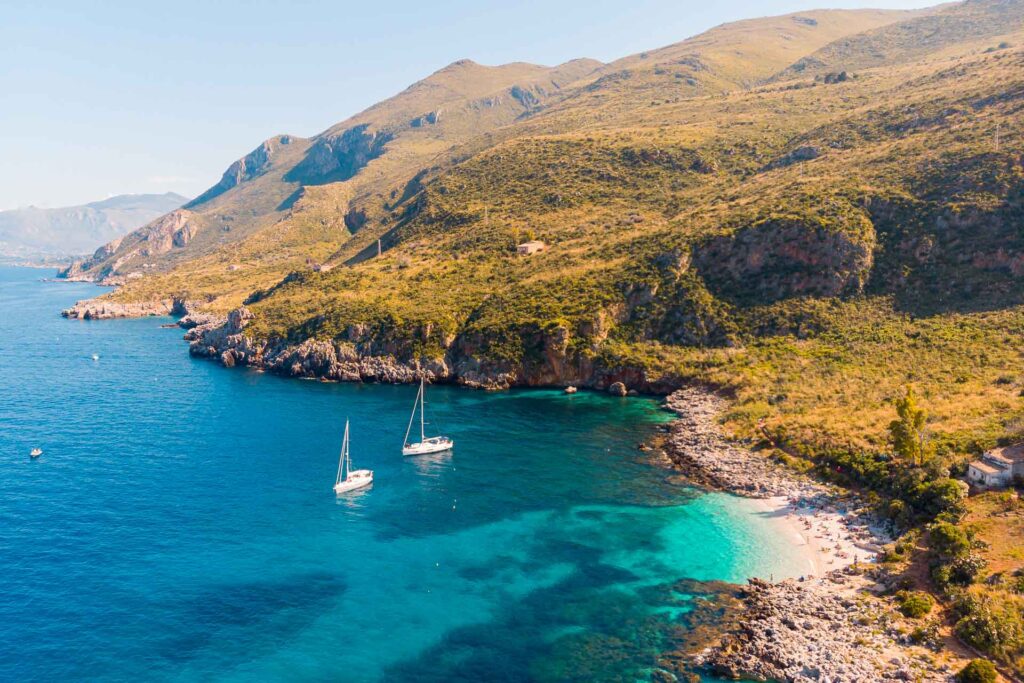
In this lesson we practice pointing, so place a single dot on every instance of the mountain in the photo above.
(809, 213)
(72, 230)
(292, 197)
(773, 191)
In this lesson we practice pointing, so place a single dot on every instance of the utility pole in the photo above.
(378, 248)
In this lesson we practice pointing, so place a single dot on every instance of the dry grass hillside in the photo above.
(809, 212)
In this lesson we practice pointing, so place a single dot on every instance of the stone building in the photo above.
(997, 467)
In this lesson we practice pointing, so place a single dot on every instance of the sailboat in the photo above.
(434, 444)
(349, 479)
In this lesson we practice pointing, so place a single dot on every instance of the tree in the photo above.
(948, 540)
(907, 432)
(977, 671)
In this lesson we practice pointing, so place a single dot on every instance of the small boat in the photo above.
(95, 356)
(571, 389)
(349, 479)
(36, 452)
(434, 444)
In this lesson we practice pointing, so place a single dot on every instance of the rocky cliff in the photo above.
(362, 356)
(171, 231)
(785, 257)
(100, 309)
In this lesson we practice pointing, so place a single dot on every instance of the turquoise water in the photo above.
(180, 524)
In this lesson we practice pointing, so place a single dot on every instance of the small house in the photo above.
(531, 247)
(997, 467)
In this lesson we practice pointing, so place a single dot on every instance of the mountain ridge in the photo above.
(817, 215)
(33, 232)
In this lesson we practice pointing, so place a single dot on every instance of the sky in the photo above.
(105, 98)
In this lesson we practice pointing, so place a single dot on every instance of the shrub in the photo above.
(965, 569)
(990, 626)
(927, 635)
(948, 540)
(941, 496)
(914, 604)
(977, 671)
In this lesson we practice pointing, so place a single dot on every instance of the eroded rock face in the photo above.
(252, 165)
(175, 230)
(371, 354)
(779, 259)
(339, 157)
(77, 270)
(97, 309)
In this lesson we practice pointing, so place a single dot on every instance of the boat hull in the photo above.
(356, 480)
(429, 446)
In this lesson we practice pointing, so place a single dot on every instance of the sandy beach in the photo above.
(827, 623)
(827, 538)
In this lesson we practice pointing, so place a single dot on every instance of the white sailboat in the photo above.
(434, 444)
(349, 479)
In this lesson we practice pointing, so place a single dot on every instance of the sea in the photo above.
(181, 525)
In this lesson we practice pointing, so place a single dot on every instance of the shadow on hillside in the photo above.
(289, 201)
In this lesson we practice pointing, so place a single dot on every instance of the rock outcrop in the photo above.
(816, 631)
(109, 264)
(171, 231)
(787, 257)
(378, 355)
(335, 157)
(100, 309)
(252, 165)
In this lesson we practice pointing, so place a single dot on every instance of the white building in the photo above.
(997, 467)
(531, 247)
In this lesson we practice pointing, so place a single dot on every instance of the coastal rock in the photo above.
(100, 309)
(815, 629)
(697, 446)
(367, 353)
(811, 631)
(617, 389)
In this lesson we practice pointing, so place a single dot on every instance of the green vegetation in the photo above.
(841, 255)
(978, 671)
(915, 604)
(908, 431)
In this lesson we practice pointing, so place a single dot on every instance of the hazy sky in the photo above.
(102, 98)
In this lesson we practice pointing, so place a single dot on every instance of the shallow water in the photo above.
(180, 524)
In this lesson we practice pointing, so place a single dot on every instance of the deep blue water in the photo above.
(180, 524)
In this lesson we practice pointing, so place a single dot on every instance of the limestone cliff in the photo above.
(367, 357)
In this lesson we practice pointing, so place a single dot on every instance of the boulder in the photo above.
(618, 389)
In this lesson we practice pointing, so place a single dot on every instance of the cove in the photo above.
(180, 524)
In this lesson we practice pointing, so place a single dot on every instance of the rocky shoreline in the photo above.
(363, 355)
(832, 627)
(101, 309)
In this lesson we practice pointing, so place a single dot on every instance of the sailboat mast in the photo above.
(423, 410)
(412, 416)
(344, 456)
